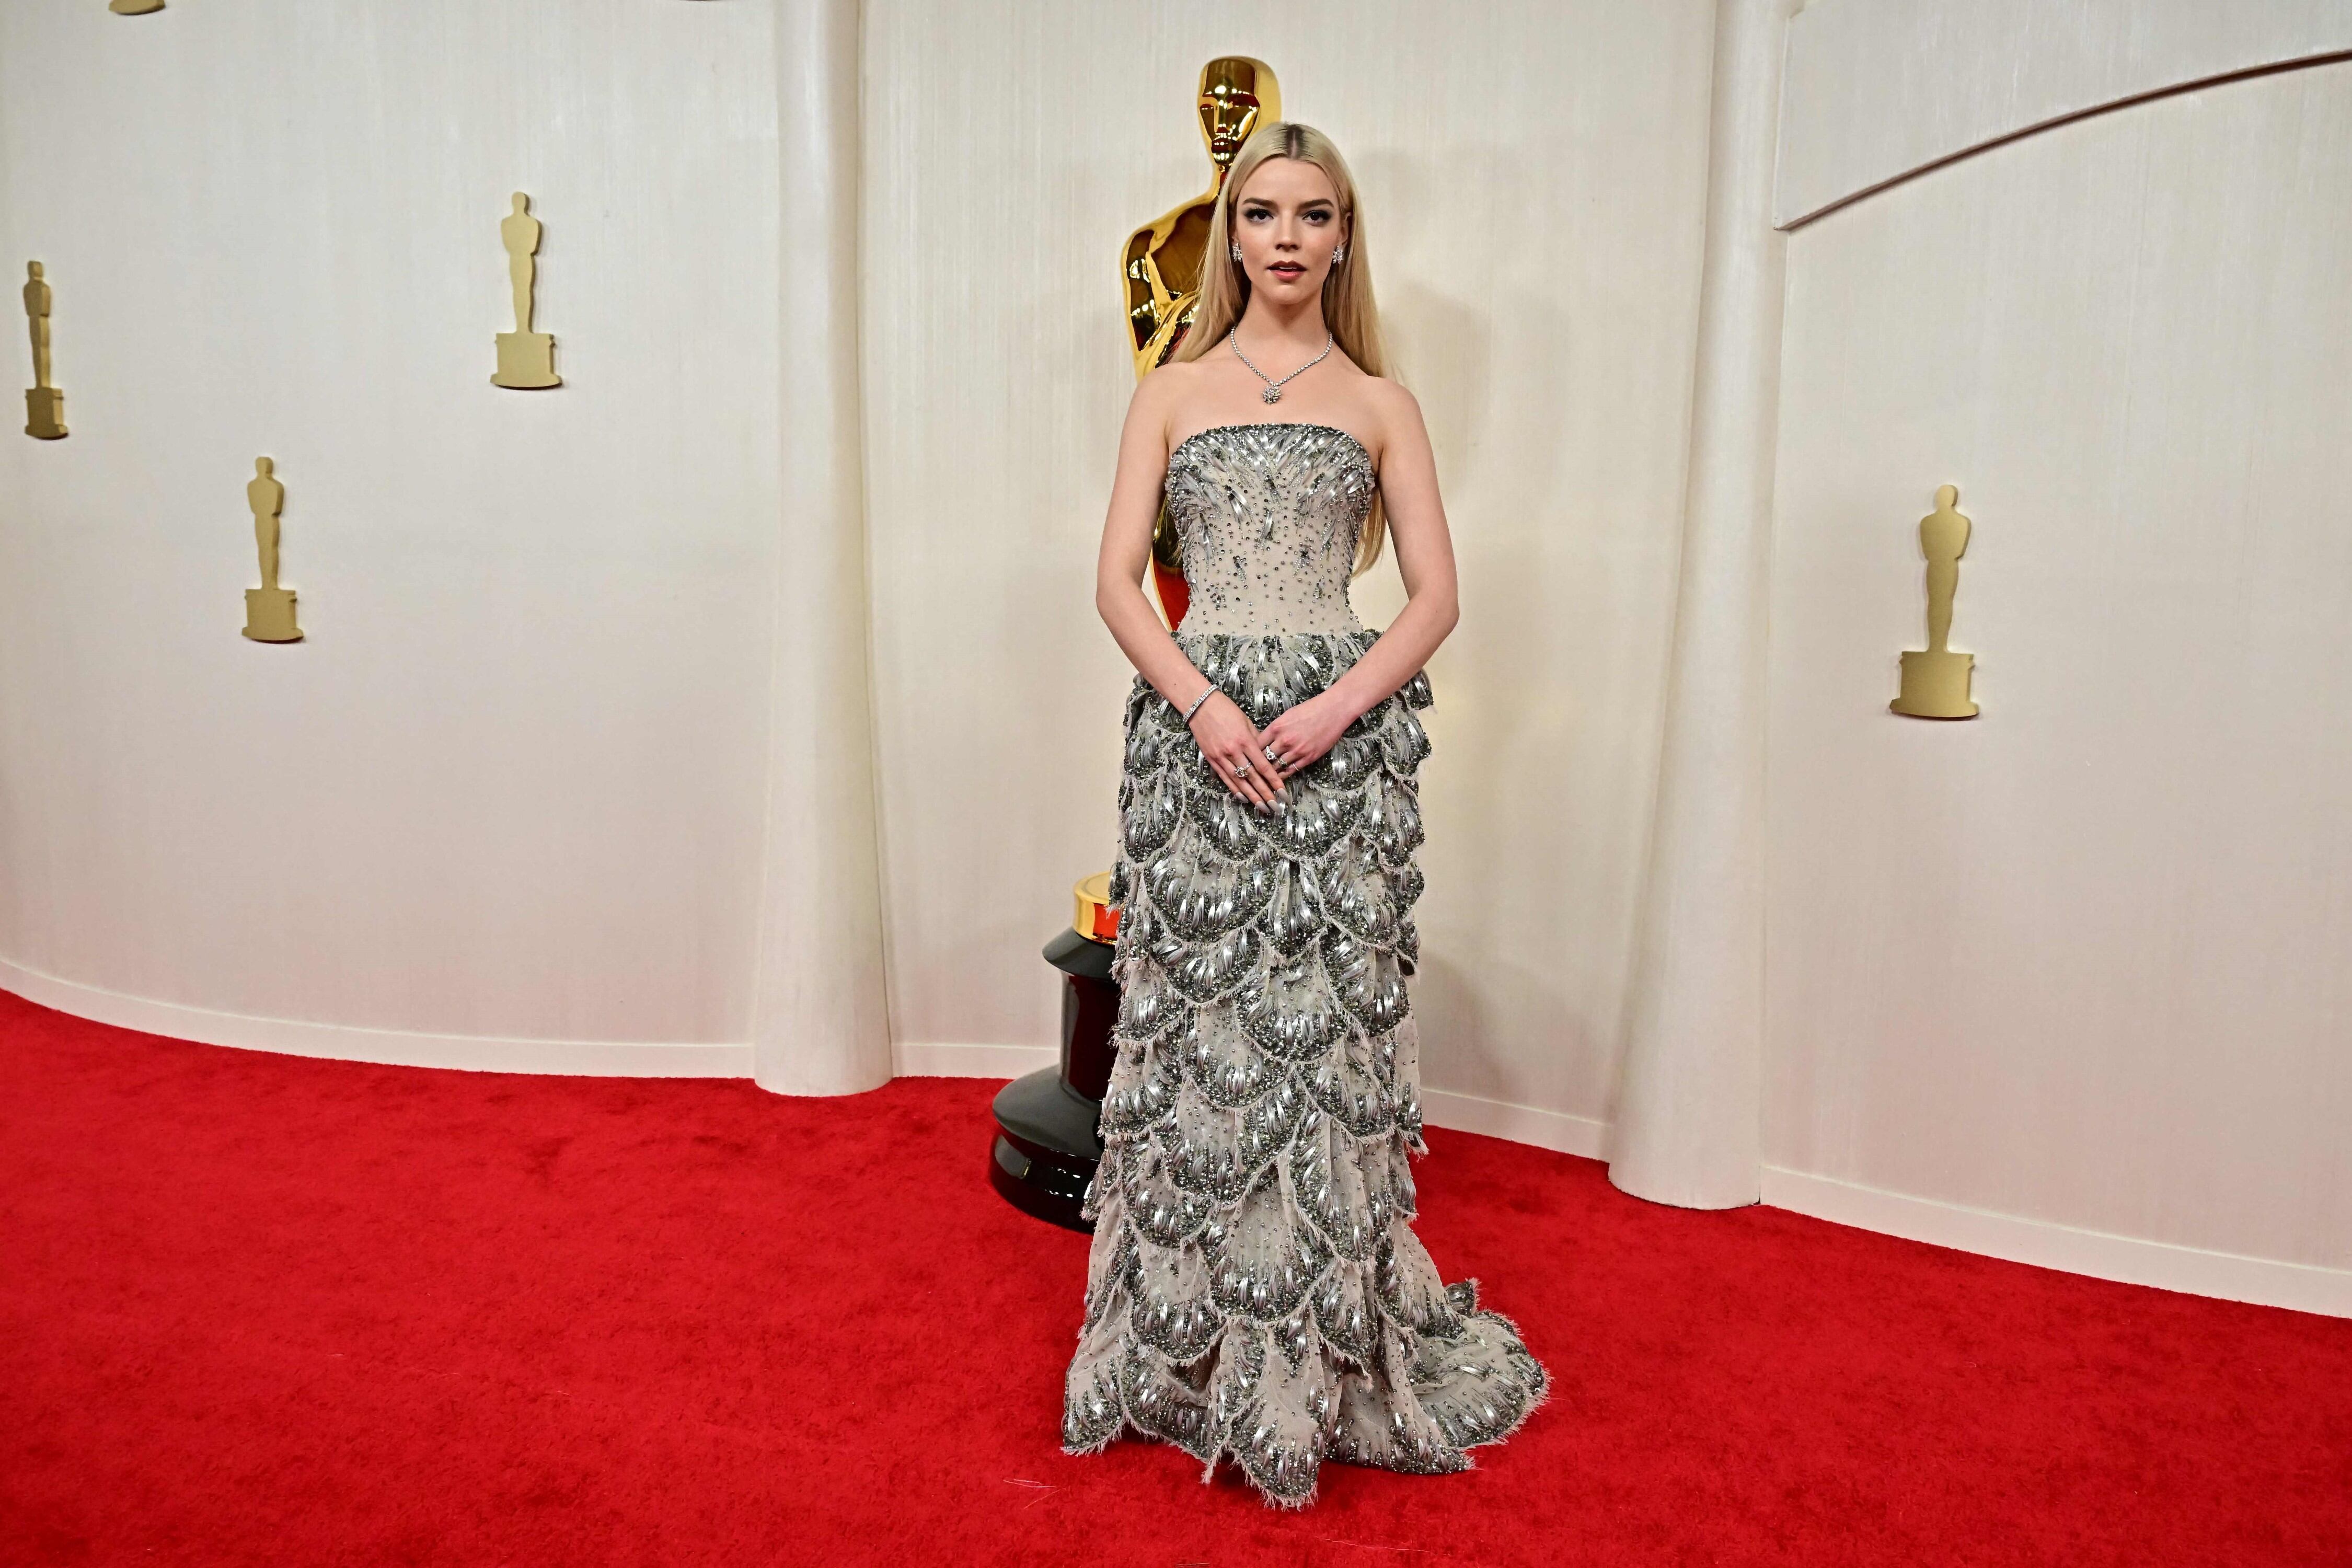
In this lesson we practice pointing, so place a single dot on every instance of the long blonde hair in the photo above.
(1348, 307)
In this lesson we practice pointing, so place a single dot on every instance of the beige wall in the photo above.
(1534, 187)
(510, 790)
(2083, 959)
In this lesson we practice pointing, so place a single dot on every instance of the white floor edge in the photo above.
(2127, 1259)
(393, 1047)
(1553, 1130)
(1439, 1108)
(929, 1059)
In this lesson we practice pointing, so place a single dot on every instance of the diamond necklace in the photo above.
(1273, 392)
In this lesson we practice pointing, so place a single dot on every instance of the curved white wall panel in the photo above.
(1687, 1129)
(2082, 960)
(820, 1016)
(1880, 88)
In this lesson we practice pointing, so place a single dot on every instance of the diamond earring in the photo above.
(1237, 253)
(1339, 253)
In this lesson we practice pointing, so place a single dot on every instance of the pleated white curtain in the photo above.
(819, 1022)
(1688, 1122)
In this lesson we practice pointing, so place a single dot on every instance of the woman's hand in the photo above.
(1231, 744)
(1304, 732)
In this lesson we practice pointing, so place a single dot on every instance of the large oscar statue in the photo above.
(45, 405)
(1047, 1139)
(1160, 266)
(1936, 682)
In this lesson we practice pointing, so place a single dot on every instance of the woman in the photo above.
(1253, 1286)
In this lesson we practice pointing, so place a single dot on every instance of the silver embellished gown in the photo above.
(1254, 1287)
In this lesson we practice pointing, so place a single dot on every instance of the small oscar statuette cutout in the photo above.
(45, 405)
(1936, 682)
(269, 609)
(526, 359)
(135, 7)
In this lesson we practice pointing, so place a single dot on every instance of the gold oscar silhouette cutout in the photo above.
(1936, 682)
(526, 359)
(135, 7)
(269, 609)
(1160, 263)
(45, 405)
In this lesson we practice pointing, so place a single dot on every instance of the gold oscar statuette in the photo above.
(1936, 682)
(45, 405)
(1160, 265)
(1095, 920)
(135, 7)
(269, 609)
(526, 359)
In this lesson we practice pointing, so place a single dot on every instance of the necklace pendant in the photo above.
(1272, 394)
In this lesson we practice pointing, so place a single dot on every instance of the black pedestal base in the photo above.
(1045, 1150)
(1047, 1144)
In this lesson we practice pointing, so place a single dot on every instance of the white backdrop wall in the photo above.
(1533, 189)
(512, 786)
(2082, 959)
(2064, 983)
(517, 786)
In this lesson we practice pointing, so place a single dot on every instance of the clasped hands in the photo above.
(1253, 763)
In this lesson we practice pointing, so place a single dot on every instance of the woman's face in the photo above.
(1286, 221)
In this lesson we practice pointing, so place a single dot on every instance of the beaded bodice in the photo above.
(1268, 516)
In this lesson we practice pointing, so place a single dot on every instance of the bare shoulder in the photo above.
(1396, 416)
(1159, 395)
(1170, 377)
(1394, 406)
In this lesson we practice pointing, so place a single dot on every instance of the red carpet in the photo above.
(256, 1309)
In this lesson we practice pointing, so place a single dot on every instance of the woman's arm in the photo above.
(1225, 735)
(1425, 551)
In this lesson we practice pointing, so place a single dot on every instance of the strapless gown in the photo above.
(1253, 1286)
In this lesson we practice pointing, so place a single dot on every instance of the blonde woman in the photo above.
(1254, 1286)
